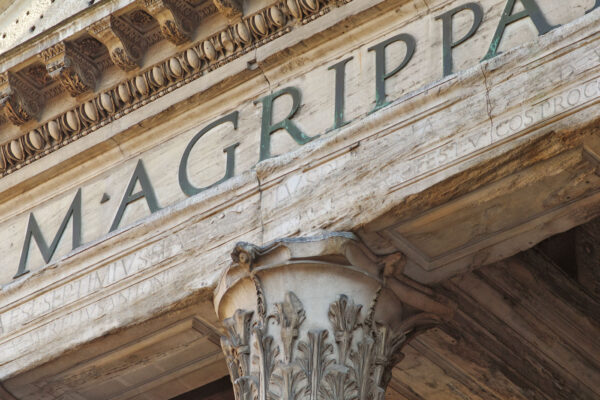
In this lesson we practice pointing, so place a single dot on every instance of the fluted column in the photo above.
(318, 318)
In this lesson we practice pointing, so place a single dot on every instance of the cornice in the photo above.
(69, 25)
(203, 56)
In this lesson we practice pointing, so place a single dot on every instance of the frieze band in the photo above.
(125, 48)
(173, 73)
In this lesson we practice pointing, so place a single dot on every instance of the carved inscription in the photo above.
(298, 113)
(14, 348)
(90, 283)
(178, 18)
(543, 111)
(547, 109)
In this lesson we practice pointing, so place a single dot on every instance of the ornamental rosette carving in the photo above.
(322, 323)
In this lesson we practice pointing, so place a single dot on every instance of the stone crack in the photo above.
(487, 97)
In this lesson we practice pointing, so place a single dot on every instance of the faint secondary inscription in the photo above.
(91, 283)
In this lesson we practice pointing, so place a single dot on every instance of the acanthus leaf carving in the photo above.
(387, 354)
(125, 44)
(244, 388)
(334, 348)
(286, 379)
(266, 353)
(289, 316)
(238, 340)
(19, 100)
(232, 9)
(363, 363)
(313, 372)
(76, 73)
(337, 384)
(315, 361)
(343, 315)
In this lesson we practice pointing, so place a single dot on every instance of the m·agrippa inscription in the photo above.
(337, 93)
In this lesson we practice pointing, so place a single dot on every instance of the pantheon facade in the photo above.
(299, 199)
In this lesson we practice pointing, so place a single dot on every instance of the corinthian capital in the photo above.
(125, 44)
(318, 317)
(177, 18)
(19, 100)
(72, 69)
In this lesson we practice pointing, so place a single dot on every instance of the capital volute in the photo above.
(316, 315)
(244, 254)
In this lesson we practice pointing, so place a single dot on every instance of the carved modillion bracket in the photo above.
(125, 44)
(72, 69)
(177, 18)
(232, 9)
(18, 99)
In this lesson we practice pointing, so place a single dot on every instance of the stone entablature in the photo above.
(429, 132)
(254, 107)
(126, 46)
(305, 90)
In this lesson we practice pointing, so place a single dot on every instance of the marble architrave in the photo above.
(162, 155)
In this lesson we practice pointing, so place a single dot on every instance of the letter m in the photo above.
(33, 231)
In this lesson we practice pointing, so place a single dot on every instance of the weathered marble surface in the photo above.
(434, 135)
(435, 129)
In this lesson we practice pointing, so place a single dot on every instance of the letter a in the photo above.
(532, 10)
(139, 175)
